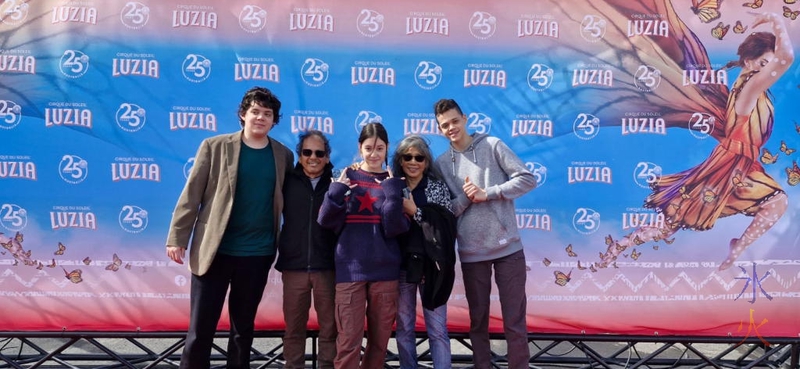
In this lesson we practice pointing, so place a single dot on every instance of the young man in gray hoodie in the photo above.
(485, 177)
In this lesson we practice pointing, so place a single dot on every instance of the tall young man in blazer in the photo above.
(230, 209)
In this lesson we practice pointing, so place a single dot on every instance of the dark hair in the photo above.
(419, 143)
(377, 130)
(312, 133)
(261, 96)
(443, 105)
(752, 47)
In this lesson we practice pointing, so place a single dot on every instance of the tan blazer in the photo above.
(204, 207)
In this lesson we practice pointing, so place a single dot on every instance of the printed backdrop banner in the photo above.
(624, 111)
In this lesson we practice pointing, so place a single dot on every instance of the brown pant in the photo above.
(298, 288)
(354, 300)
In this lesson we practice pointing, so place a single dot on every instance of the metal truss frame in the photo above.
(162, 350)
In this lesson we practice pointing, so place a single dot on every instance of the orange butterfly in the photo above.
(609, 240)
(684, 192)
(16, 262)
(797, 126)
(737, 180)
(592, 268)
(87, 260)
(767, 157)
(18, 237)
(74, 276)
(128, 266)
(785, 149)
(546, 262)
(793, 174)
(580, 267)
(40, 266)
(706, 10)
(52, 264)
(720, 30)
(561, 278)
(637, 240)
(61, 248)
(755, 5)
(635, 255)
(709, 196)
(788, 13)
(668, 241)
(569, 251)
(114, 266)
(8, 245)
(620, 247)
(739, 27)
(614, 264)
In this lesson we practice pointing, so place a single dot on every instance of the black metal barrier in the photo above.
(162, 350)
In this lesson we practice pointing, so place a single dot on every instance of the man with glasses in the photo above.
(485, 177)
(305, 257)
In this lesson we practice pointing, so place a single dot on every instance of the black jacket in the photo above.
(429, 248)
(304, 245)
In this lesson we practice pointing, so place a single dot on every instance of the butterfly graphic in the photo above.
(2, 252)
(40, 266)
(609, 240)
(797, 126)
(793, 174)
(546, 262)
(720, 30)
(788, 13)
(87, 260)
(73, 276)
(737, 180)
(614, 264)
(785, 149)
(684, 192)
(18, 237)
(561, 278)
(16, 262)
(114, 266)
(52, 264)
(669, 241)
(635, 255)
(620, 247)
(569, 251)
(637, 240)
(655, 247)
(767, 157)
(739, 27)
(8, 245)
(789, 1)
(755, 5)
(128, 266)
(706, 10)
(581, 267)
(709, 196)
(61, 248)
(592, 268)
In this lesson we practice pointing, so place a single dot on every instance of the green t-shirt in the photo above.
(250, 228)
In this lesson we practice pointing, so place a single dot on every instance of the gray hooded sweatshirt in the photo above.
(486, 230)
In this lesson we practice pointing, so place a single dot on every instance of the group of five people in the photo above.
(360, 244)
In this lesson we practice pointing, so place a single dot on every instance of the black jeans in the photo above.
(247, 277)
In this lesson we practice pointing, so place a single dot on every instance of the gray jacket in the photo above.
(487, 230)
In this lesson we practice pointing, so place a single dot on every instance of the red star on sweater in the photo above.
(366, 202)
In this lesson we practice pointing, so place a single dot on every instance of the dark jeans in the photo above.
(510, 279)
(247, 277)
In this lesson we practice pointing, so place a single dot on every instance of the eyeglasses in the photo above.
(317, 153)
(418, 158)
